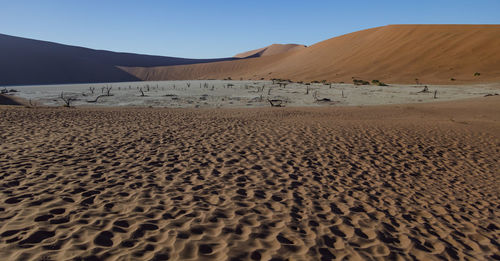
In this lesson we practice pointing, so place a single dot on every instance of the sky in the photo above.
(218, 28)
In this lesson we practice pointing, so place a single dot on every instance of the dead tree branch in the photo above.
(67, 100)
(276, 103)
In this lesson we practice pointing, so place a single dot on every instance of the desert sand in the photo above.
(10, 100)
(413, 181)
(396, 54)
(271, 50)
(28, 61)
(434, 54)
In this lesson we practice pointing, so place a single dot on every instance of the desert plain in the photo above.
(241, 94)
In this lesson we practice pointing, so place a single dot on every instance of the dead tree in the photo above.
(32, 104)
(283, 84)
(425, 90)
(435, 94)
(92, 89)
(188, 84)
(142, 92)
(276, 103)
(343, 94)
(108, 91)
(315, 96)
(97, 98)
(67, 100)
(307, 88)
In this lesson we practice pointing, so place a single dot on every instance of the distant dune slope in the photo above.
(439, 54)
(9, 100)
(27, 61)
(271, 50)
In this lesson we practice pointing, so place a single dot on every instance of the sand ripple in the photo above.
(148, 184)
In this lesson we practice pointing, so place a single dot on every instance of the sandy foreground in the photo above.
(398, 181)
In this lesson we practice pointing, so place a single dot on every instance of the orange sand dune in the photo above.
(395, 54)
(405, 182)
(271, 50)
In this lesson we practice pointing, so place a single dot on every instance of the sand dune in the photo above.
(396, 54)
(26, 61)
(10, 100)
(271, 50)
(435, 54)
(399, 182)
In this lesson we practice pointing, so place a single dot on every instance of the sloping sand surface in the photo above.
(9, 100)
(408, 181)
(27, 61)
(271, 50)
(435, 54)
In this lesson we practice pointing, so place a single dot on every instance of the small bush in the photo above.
(452, 79)
(378, 83)
(360, 82)
(477, 74)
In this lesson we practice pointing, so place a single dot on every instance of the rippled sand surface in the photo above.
(408, 181)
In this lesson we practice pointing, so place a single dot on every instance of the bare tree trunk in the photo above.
(67, 100)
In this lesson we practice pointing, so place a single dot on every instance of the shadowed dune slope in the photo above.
(399, 182)
(26, 61)
(271, 50)
(9, 100)
(396, 54)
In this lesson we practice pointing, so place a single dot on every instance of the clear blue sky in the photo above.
(217, 28)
